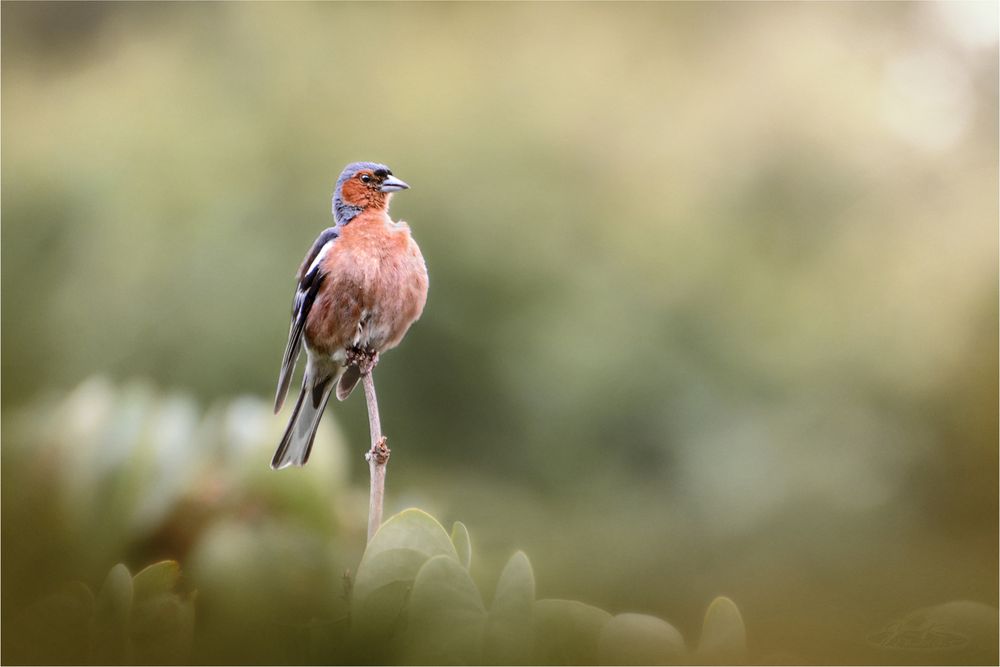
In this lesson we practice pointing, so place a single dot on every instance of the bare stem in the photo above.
(378, 455)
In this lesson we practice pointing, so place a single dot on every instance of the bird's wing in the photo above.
(311, 277)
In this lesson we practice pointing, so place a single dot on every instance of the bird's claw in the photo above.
(364, 359)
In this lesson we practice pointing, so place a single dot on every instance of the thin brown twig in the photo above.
(378, 455)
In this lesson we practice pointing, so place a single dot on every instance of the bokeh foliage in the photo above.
(713, 301)
(131, 620)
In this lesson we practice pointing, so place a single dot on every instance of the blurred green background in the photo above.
(713, 304)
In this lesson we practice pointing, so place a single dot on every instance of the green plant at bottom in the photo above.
(414, 602)
(139, 619)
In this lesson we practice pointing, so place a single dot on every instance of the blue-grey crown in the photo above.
(343, 213)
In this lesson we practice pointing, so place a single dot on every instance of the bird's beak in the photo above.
(393, 184)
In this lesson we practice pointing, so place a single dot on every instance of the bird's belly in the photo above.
(394, 299)
(371, 302)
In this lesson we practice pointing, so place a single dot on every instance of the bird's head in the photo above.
(363, 186)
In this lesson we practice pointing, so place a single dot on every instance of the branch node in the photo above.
(381, 452)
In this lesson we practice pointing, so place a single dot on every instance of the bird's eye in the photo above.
(365, 178)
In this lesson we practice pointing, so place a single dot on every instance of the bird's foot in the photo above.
(364, 358)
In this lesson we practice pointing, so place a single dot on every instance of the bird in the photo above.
(359, 288)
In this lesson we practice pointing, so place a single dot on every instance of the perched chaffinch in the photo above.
(360, 287)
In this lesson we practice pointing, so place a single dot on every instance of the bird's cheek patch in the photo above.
(354, 193)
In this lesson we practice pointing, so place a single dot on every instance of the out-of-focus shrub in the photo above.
(107, 472)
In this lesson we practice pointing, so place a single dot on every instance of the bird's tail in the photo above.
(301, 431)
(347, 381)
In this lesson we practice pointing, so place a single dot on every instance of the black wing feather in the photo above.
(311, 278)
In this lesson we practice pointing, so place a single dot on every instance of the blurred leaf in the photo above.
(156, 579)
(463, 545)
(158, 615)
(509, 637)
(412, 529)
(566, 632)
(398, 550)
(390, 564)
(161, 629)
(723, 635)
(57, 629)
(114, 606)
(638, 639)
(446, 616)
